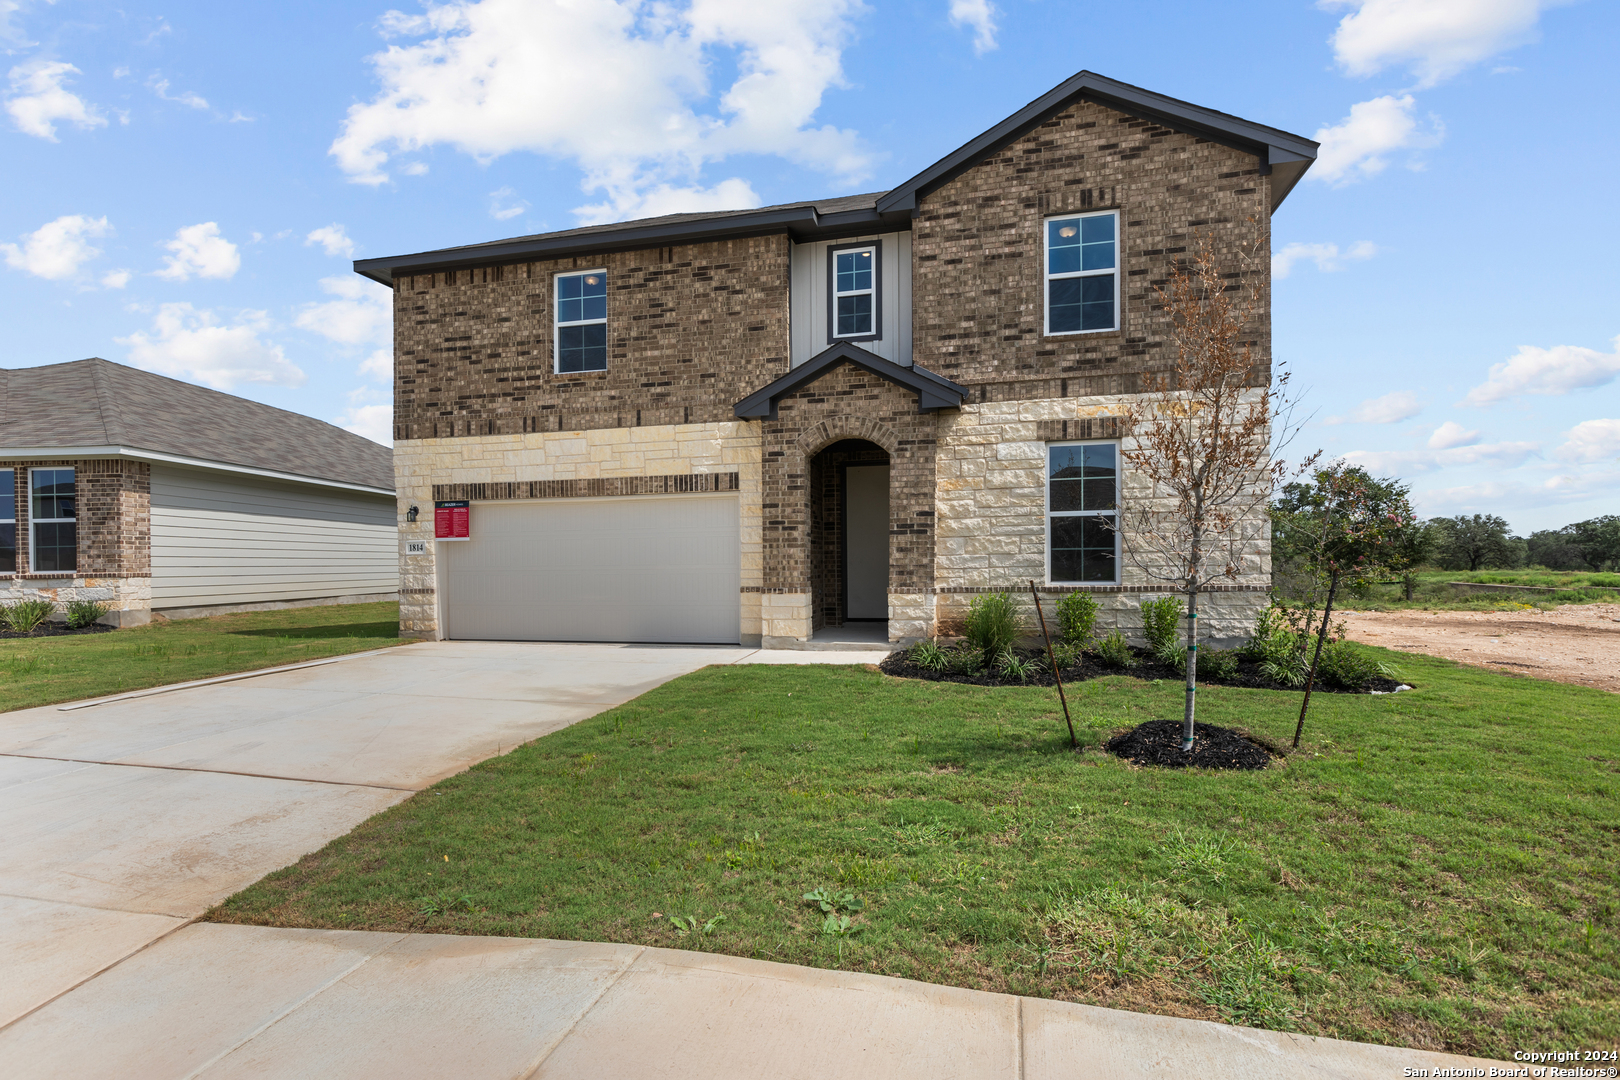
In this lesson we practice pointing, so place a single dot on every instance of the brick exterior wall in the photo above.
(114, 532)
(977, 280)
(691, 329)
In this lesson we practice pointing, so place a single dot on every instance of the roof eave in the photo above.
(933, 391)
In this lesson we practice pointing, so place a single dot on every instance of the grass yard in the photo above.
(1435, 592)
(1436, 869)
(46, 670)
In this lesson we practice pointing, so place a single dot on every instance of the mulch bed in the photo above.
(1090, 667)
(1158, 743)
(55, 629)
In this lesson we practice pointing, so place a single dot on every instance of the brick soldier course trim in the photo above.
(688, 483)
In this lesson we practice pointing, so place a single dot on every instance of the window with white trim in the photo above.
(580, 327)
(8, 521)
(1082, 273)
(1082, 513)
(53, 525)
(854, 300)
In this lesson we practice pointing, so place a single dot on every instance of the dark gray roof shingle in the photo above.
(96, 402)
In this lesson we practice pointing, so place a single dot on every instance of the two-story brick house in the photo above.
(756, 425)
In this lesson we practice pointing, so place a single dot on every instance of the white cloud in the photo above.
(1591, 441)
(1450, 435)
(115, 279)
(1502, 455)
(200, 250)
(1557, 370)
(1436, 39)
(1327, 257)
(160, 87)
(1357, 147)
(415, 168)
(978, 16)
(732, 194)
(1392, 408)
(379, 365)
(37, 99)
(374, 422)
(499, 76)
(362, 314)
(191, 344)
(1514, 496)
(57, 249)
(333, 238)
(503, 206)
(9, 30)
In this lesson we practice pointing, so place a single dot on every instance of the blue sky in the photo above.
(186, 184)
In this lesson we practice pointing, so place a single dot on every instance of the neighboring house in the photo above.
(153, 495)
(761, 425)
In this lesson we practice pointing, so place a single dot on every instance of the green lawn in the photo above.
(42, 671)
(1435, 592)
(1435, 869)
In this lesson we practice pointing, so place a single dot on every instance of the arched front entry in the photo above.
(849, 535)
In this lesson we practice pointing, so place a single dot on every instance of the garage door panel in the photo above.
(625, 569)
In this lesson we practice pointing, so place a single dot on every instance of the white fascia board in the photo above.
(50, 452)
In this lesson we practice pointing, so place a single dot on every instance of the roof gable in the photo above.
(933, 391)
(1283, 156)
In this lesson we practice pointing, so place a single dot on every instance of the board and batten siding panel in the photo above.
(809, 304)
(223, 538)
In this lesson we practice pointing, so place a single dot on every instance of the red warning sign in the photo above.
(451, 521)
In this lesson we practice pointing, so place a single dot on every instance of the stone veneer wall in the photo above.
(668, 449)
(845, 402)
(992, 525)
(114, 564)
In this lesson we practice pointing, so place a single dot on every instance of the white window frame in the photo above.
(876, 291)
(1048, 513)
(11, 472)
(35, 522)
(1047, 277)
(557, 324)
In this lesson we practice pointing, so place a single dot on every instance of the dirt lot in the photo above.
(1577, 643)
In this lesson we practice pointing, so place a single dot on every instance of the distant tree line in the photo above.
(1483, 542)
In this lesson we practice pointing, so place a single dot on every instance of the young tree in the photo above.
(1204, 436)
(1348, 528)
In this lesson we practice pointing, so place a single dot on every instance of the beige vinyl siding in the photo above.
(223, 538)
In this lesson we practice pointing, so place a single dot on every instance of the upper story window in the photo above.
(581, 326)
(1082, 513)
(855, 311)
(8, 521)
(1082, 273)
(53, 520)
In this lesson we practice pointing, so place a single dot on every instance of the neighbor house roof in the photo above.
(97, 406)
(1282, 156)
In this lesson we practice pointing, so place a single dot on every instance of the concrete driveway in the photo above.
(125, 820)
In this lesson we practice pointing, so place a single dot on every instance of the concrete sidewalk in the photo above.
(126, 820)
(217, 1001)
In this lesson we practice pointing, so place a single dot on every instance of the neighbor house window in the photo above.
(1082, 273)
(582, 321)
(53, 521)
(8, 521)
(855, 308)
(1082, 491)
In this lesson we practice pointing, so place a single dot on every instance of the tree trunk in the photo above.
(1321, 637)
(1192, 665)
(1409, 585)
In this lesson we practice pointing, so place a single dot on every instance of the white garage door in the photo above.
(616, 569)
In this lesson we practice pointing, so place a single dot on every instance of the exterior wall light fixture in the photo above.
(410, 515)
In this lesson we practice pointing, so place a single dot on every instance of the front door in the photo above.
(866, 542)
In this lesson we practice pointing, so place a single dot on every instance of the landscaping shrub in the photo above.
(1160, 620)
(930, 655)
(1065, 654)
(1077, 619)
(1276, 648)
(992, 624)
(1011, 667)
(964, 660)
(82, 613)
(22, 616)
(1113, 651)
(1216, 664)
(1344, 665)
